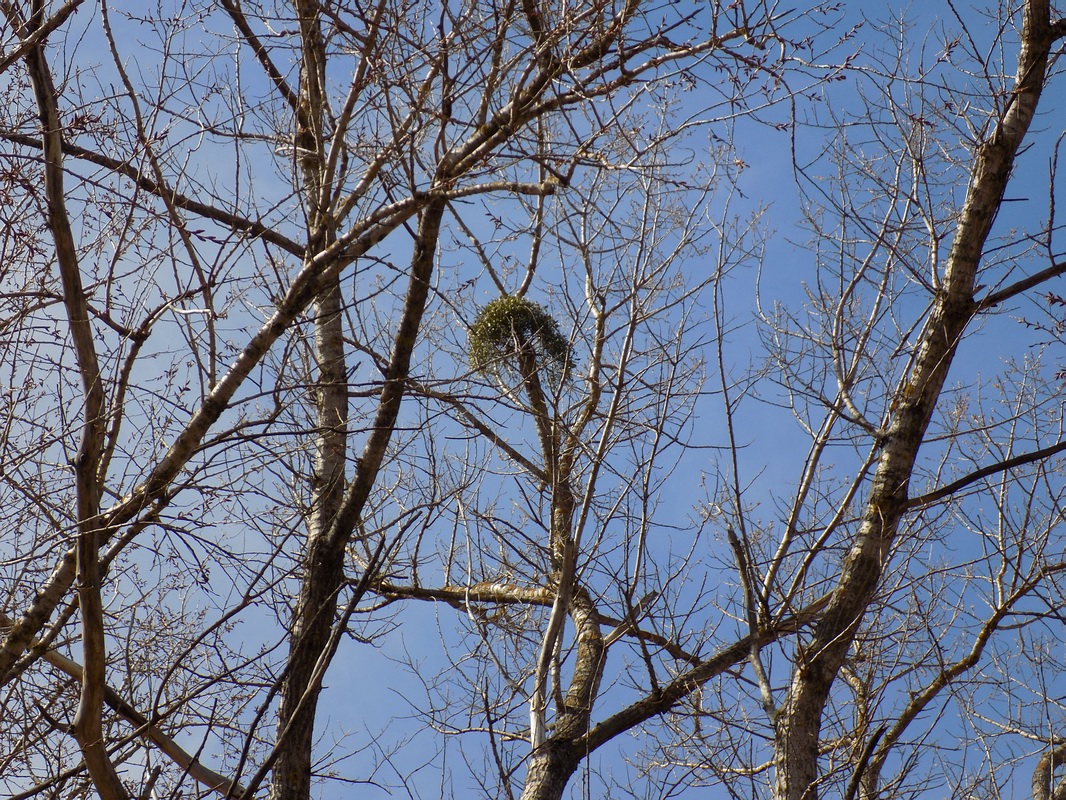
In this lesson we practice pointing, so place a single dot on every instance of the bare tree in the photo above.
(938, 549)
(341, 333)
(223, 273)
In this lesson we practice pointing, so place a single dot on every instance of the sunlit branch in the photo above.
(1019, 287)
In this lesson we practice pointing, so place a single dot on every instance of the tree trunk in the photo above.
(818, 662)
(323, 562)
(550, 767)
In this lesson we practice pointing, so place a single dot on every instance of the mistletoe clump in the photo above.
(510, 326)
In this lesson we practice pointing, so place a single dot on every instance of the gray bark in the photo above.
(323, 561)
(818, 661)
(87, 725)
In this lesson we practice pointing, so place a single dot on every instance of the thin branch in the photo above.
(754, 656)
(927, 499)
(1025, 284)
(29, 40)
(688, 682)
(229, 219)
(145, 727)
(259, 50)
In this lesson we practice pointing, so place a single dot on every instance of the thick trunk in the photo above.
(312, 625)
(324, 572)
(550, 768)
(554, 761)
(818, 662)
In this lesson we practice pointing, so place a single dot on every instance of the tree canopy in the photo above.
(530, 400)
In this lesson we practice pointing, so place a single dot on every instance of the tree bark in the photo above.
(87, 725)
(550, 768)
(818, 662)
(323, 561)
(553, 763)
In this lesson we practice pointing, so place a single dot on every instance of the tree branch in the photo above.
(146, 728)
(927, 499)
(1025, 284)
(687, 682)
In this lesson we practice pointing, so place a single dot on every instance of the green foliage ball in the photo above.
(508, 323)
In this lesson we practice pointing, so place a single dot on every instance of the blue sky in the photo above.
(370, 698)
